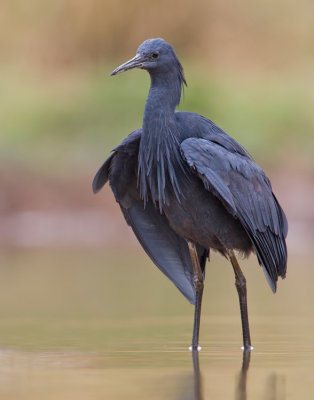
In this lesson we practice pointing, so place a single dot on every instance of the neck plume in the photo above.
(159, 161)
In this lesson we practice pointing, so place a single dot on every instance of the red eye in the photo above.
(155, 55)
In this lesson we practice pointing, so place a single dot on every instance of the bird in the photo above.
(186, 187)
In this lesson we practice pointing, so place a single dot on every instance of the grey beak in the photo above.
(135, 62)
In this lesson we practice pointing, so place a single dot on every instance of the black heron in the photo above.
(185, 187)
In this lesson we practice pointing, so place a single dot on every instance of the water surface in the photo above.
(106, 324)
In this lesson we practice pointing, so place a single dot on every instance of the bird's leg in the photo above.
(198, 280)
(240, 283)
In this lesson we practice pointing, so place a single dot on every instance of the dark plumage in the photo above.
(185, 187)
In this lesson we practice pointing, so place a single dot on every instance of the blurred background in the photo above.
(249, 68)
(66, 254)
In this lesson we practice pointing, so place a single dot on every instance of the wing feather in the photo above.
(246, 193)
(167, 250)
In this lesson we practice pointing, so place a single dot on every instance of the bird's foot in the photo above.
(249, 348)
(195, 348)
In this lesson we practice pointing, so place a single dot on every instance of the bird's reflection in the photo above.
(274, 387)
(192, 389)
(191, 385)
(242, 377)
(198, 393)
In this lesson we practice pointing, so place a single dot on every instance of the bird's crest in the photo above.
(181, 77)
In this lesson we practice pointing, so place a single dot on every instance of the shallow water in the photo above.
(106, 324)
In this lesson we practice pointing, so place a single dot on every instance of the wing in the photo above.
(204, 128)
(102, 175)
(129, 144)
(246, 193)
(167, 250)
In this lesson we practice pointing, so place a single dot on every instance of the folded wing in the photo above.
(246, 193)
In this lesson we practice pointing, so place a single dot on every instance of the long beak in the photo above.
(135, 62)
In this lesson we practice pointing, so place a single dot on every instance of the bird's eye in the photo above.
(155, 55)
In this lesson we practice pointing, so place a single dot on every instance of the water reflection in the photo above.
(274, 383)
(198, 392)
(242, 378)
(191, 386)
(275, 387)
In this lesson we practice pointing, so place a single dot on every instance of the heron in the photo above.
(186, 187)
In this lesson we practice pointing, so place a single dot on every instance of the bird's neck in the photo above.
(159, 154)
(164, 95)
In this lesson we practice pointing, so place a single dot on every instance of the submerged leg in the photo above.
(198, 280)
(240, 283)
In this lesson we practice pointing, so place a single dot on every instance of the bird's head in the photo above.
(156, 56)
